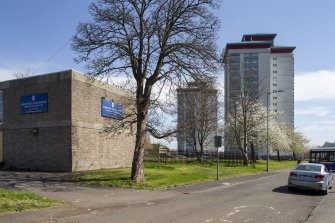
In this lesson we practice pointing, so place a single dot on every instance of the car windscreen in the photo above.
(311, 168)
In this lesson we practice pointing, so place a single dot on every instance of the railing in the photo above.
(230, 158)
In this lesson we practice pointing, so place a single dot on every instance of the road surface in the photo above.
(260, 198)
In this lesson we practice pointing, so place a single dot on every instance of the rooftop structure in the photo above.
(258, 66)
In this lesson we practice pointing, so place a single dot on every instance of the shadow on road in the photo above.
(56, 182)
(284, 190)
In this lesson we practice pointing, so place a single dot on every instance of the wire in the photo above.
(53, 56)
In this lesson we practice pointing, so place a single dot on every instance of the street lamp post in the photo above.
(267, 128)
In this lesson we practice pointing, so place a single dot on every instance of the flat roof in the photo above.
(259, 37)
(249, 45)
(60, 75)
(321, 149)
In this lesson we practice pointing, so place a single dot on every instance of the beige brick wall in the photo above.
(49, 150)
(70, 136)
(91, 148)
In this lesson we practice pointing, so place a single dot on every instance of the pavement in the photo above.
(324, 211)
(85, 200)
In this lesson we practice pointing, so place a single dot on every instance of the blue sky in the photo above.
(36, 34)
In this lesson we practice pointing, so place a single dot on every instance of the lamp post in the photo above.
(267, 128)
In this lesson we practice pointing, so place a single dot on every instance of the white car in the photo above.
(312, 176)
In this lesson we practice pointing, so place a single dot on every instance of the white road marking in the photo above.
(240, 207)
(223, 220)
(273, 209)
(149, 203)
(247, 220)
(107, 195)
(209, 220)
(52, 220)
(230, 185)
(236, 211)
(230, 214)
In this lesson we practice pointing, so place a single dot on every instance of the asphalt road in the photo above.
(259, 198)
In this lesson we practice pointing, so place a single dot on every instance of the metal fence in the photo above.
(230, 158)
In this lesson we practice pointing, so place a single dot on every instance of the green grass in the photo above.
(163, 176)
(12, 201)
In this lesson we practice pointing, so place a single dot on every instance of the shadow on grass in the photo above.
(101, 179)
(106, 182)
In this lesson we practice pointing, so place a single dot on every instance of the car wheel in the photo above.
(324, 192)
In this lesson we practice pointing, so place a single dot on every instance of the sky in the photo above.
(35, 35)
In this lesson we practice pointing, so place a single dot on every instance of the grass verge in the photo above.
(163, 176)
(12, 201)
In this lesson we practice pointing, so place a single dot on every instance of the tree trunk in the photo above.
(278, 155)
(245, 159)
(253, 153)
(294, 156)
(197, 154)
(137, 170)
(202, 152)
(245, 151)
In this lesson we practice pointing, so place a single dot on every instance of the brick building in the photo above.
(53, 122)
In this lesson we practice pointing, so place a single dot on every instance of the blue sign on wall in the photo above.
(36, 103)
(110, 109)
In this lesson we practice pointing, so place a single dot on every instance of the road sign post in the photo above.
(217, 144)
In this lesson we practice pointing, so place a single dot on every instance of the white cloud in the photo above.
(6, 74)
(318, 132)
(319, 111)
(319, 85)
(7, 70)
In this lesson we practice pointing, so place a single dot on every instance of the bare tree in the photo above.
(152, 41)
(198, 108)
(328, 144)
(23, 74)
